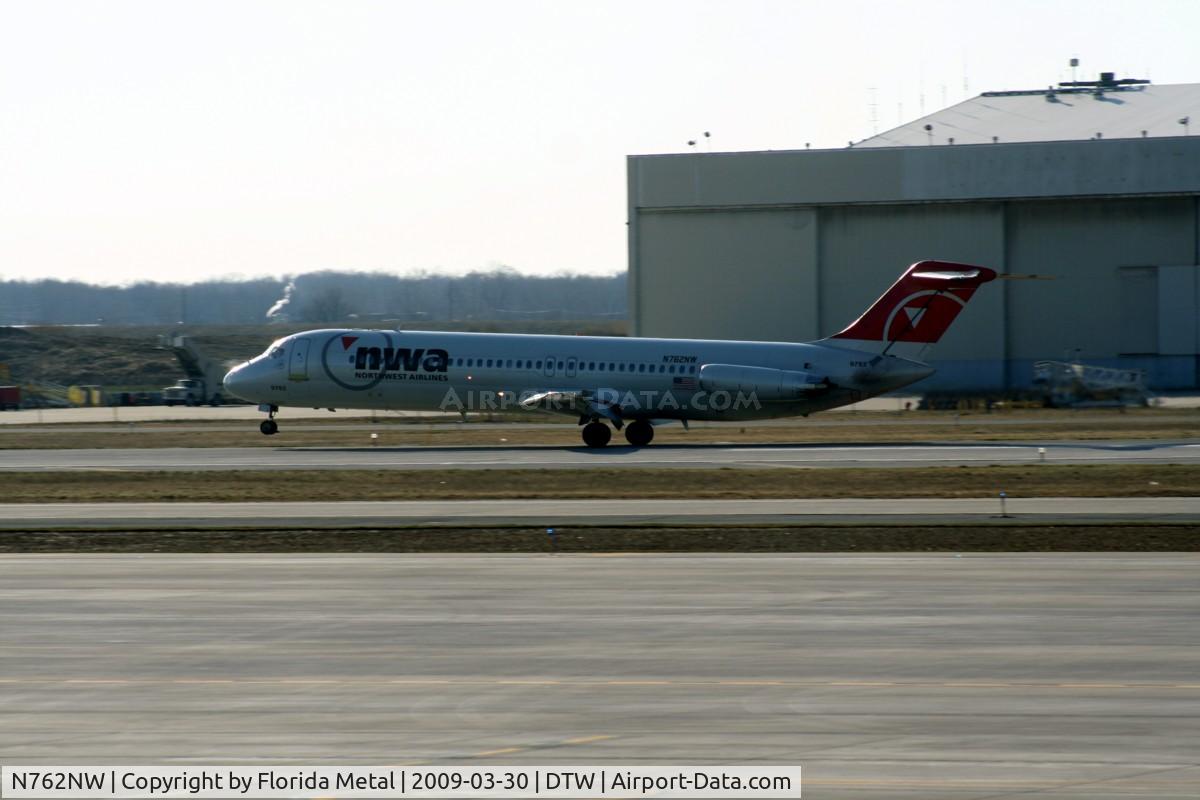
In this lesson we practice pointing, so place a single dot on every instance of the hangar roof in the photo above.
(1049, 115)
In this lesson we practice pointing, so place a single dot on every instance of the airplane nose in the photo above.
(236, 382)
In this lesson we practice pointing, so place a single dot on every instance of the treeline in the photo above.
(318, 297)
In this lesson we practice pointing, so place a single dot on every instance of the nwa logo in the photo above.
(401, 359)
(374, 364)
(923, 316)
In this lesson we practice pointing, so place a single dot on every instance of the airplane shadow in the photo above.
(760, 446)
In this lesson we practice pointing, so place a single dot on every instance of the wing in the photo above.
(574, 402)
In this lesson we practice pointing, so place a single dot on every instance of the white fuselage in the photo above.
(634, 378)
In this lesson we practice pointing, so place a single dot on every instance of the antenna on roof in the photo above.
(1074, 64)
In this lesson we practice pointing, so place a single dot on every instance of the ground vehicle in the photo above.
(1071, 384)
(203, 382)
(10, 398)
(190, 392)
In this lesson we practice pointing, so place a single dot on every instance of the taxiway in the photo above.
(407, 513)
(553, 457)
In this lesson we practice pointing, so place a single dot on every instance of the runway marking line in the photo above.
(590, 683)
(751, 683)
(499, 752)
(572, 742)
(978, 685)
(865, 683)
(1092, 685)
(587, 739)
(652, 683)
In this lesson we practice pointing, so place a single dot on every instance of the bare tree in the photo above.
(327, 306)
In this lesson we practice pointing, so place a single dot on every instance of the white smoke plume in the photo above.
(280, 304)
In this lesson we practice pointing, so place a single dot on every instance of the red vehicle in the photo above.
(10, 398)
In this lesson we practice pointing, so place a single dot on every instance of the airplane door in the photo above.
(571, 367)
(298, 369)
(548, 370)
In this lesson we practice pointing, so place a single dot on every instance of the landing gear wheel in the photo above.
(596, 434)
(640, 433)
(269, 427)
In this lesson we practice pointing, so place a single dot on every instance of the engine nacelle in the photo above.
(769, 385)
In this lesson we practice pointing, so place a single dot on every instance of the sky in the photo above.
(182, 141)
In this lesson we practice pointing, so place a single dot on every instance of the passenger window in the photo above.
(460, 362)
(508, 363)
(602, 366)
(591, 365)
(489, 363)
(612, 367)
(672, 369)
(539, 365)
(692, 369)
(641, 367)
(560, 365)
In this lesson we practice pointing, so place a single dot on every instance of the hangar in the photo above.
(1095, 183)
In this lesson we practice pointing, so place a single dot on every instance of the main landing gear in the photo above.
(638, 433)
(596, 434)
(269, 426)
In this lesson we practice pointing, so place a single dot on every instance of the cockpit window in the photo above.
(276, 349)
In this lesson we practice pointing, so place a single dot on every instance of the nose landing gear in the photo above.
(269, 426)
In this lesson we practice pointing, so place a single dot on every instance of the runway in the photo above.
(919, 676)
(431, 513)
(551, 457)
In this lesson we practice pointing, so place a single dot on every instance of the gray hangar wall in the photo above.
(792, 246)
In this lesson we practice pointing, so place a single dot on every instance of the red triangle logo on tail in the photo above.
(347, 341)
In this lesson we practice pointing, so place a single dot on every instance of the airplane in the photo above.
(631, 384)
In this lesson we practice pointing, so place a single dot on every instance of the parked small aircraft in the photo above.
(631, 384)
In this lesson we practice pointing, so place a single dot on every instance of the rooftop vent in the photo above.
(1109, 82)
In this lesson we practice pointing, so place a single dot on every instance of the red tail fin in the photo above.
(921, 305)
